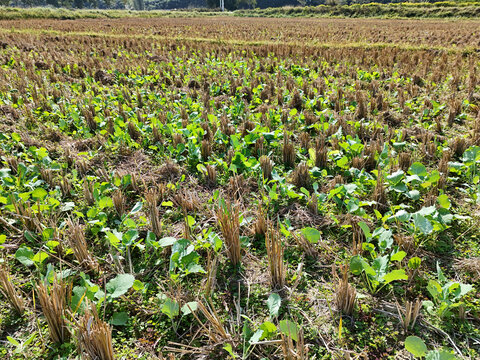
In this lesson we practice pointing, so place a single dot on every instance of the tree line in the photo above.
(180, 4)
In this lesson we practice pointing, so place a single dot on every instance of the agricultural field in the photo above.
(239, 188)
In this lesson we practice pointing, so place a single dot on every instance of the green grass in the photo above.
(373, 10)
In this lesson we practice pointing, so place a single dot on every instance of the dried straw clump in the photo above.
(260, 227)
(119, 202)
(301, 176)
(53, 302)
(267, 166)
(8, 290)
(345, 294)
(228, 216)
(288, 152)
(94, 337)
(276, 267)
(471, 265)
(211, 175)
(409, 316)
(294, 352)
(152, 197)
(188, 201)
(213, 327)
(76, 240)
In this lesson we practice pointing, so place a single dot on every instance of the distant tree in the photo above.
(242, 4)
(229, 4)
(139, 4)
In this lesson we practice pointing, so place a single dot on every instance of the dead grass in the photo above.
(228, 217)
(94, 336)
(345, 294)
(276, 266)
(409, 315)
(9, 291)
(53, 302)
(76, 240)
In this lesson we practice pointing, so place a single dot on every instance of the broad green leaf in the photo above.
(414, 263)
(25, 256)
(439, 355)
(138, 285)
(105, 202)
(385, 240)
(289, 328)
(268, 328)
(395, 275)
(120, 285)
(189, 307)
(190, 221)
(401, 216)
(434, 288)
(399, 256)
(358, 264)
(114, 238)
(471, 155)
(39, 193)
(365, 229)
(40, 257)
(166, 241)
(228, 348)
(311, 234)
(136, 208)
(422, 223)
(13, 341)
(396, 177)
(67, 206)
(418, 169)
(443, 201)
(170, 308)
(29, 340)
(256, 337)
(415, 346)
(193, 268)
(119, 318)
(274, 303)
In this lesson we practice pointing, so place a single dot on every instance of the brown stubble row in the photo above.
(39, 71)
(430, 33)
(386, 104)
(426, 68)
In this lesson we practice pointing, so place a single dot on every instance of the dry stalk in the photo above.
(212, 265)
(228, 218)
(213, 327)
(260, 228)
(8, 289)
(66, 187)
(53, 303)
(288, 152)
(276, 267)
(76, 240)
(211, 175)
(409, 316)
(187, 201)
(31, 221)
(153, 197)
(267, 166)
(119, 202)
(306, 245)
(294, 352)
(301, 176)
(471, 265)
(94, 337)
(88, 192)
(345, 294)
